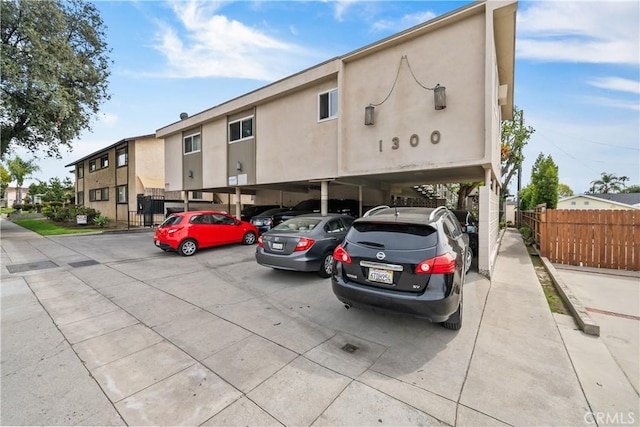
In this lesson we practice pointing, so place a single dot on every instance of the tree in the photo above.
(464, 190)
(527, 198)
(515, 136)
(564, 190)
(55, 190)
(608, 183)
(19, 170)
(544, 177)
(632, 189)
(55, 68)
(5, 180)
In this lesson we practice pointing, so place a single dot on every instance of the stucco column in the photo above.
(238, 204)
(487, 177)
(324, 197)
(185, 200)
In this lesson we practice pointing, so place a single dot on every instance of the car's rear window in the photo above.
(298, 224)
(172, 220)
(399, 236)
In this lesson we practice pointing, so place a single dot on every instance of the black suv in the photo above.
(252, 210)
(407, 260)
(341, 206)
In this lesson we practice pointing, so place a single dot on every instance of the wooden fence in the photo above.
(591, 238)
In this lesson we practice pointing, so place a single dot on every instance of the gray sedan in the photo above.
(303, 243)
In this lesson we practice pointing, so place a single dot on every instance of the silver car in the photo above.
(303, 243)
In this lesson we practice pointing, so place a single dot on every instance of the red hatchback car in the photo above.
(186, 232)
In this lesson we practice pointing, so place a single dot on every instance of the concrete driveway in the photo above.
(107, 329)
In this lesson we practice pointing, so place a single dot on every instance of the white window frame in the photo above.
(251, 117)
(184, 143)
(330, 105)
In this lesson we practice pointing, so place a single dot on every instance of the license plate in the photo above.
(381, 276)
(277, 246)
(157, 243)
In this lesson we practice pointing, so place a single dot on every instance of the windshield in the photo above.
(298, 224)
(172, 220)
(308, 205)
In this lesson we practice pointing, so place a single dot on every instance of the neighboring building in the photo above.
(11, 195)
(109, 180)
(601, 201)
(369, 124)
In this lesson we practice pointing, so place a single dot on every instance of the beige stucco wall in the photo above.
(585, 203)
(173, 162)
(291, 144)
(214, 153)
(437, 57)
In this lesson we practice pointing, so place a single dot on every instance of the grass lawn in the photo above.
(47, 228)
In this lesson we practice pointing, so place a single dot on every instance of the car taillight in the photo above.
(260, 242)
(439, 265)
(268, 222)
(304, 244)
(340, 254)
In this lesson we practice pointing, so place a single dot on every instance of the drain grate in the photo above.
(29, 266)
(84, 263)
(349, 348)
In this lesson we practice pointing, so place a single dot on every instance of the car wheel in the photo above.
(326, 266)
(188, 247)
(468, 260)
(249, 238)
(454, 322)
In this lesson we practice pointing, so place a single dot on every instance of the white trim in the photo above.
(328, 92)
(191, 135)
(252, 117)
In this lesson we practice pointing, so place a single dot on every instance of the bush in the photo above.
(101, 221)
(58, 213)
(527, 235)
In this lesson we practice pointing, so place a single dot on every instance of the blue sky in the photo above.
(577, 68)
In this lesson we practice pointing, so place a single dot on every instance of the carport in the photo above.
(420, 107)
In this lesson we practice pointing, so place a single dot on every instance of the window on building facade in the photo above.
(573, 203)
(80, 198)
(328, 105)
(241, 129)
(196, 195)
(92, 165)
(122, 157)
(122, 194)
(586, 202)
(99, 194)
(192, 143)
(104, 161)
(80, 171)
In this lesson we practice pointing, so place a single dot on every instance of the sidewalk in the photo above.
(201, 348)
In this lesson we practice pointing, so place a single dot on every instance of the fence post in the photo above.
(544, 238)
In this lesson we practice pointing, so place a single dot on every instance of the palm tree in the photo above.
(608, 183)
(19, 170)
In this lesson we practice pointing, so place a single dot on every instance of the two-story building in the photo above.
(420, 107)
(109, 180)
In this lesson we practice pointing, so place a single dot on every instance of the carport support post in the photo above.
(324, 197)
(238, 204)
(185, 198)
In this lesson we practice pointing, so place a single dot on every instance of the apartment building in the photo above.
(109, 180)
(423, 106)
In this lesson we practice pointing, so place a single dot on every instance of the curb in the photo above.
(579, 313)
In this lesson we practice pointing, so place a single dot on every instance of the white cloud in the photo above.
(212, 45)
(580, 31)
(613, 103)
(340, 8)
(407, 21)
(617, 83)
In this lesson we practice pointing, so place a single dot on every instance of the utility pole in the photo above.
(518, 217)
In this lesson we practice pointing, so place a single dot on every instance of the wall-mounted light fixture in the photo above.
(369, 115)
(439, 95)
(190, 174)
(239, 165)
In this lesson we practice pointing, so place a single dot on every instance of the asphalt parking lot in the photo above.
(107, 329)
